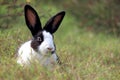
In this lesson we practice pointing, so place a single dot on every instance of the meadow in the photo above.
(85, 55)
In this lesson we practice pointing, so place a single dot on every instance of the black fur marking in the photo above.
(37, 40)
(58, 61)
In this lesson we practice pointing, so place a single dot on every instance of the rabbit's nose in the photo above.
(49, 48)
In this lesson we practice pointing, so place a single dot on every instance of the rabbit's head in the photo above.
(42, 41)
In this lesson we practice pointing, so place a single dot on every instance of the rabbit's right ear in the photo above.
(32, 20)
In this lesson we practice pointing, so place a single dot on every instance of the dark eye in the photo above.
(39, 39)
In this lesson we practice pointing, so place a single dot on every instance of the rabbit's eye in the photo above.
(39, 39)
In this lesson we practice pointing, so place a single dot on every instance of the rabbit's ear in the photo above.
(32, 20)
(53, 24)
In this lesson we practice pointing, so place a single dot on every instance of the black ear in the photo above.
(53, 24)
(32, 20)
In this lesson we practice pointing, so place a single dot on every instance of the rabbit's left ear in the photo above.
(53, 23)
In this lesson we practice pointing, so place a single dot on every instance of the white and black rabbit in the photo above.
(41, 47)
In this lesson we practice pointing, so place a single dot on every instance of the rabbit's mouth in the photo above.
(50, 52)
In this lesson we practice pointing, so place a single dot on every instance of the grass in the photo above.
(85, 55)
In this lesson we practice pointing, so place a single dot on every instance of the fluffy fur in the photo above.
(42, 47)
(27, 54)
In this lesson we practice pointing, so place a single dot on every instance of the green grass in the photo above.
(85, 55)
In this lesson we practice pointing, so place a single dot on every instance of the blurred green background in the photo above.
(92, 15)
(87, 41)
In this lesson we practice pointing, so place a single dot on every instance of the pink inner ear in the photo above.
(31, 17)
(56, 20)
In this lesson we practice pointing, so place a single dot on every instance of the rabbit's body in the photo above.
(26, 54)
(41, 48)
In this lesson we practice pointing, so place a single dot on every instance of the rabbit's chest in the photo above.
(44, 60)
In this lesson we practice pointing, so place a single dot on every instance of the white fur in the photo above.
(47, 43)
(26, 54)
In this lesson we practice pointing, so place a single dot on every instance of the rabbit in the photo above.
(41, 47)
